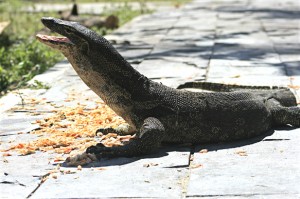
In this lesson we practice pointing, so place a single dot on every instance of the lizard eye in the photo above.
(68, 31)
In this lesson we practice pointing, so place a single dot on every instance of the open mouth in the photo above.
(53, 39)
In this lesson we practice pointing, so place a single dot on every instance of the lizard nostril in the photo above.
(47, 21)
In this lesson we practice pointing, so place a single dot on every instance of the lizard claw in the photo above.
(95, 149)
(92, 149)
(104, 131)
(100, 145)
(100, 151)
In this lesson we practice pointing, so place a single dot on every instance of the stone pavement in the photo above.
(252, 42)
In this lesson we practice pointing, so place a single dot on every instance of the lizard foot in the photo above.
(148, 140)
(100, 151)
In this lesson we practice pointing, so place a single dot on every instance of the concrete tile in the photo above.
(245, 39)
(242, 69)
(20, 175)
(174, 50)
(293, 68)
(157, 68)
(134, 179)
(259, 172)
(18, 123)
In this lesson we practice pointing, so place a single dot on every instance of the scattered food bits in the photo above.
(150, 164)
(191, 158)
(54, 176)
(294, 86)
(26, 151)
(59, 159)
(242, 153)
(19, 146)
(79, 167)
(69, 172)
(194, 166)
(236, 76)
(101, 169)
(45, 178)
(203, 151)
(70, 130)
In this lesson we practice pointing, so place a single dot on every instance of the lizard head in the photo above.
(84, 48)
(75, 36)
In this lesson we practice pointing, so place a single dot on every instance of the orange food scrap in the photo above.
(194, 166)
(59, 159)
(242, 153)
(26, 151)
(203, 151)
(101, 169)
(70, 130)
(20, 146)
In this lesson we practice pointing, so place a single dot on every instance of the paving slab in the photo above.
(159, 176)
(265, 168)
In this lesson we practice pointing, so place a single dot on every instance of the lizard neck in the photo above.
(113, 79)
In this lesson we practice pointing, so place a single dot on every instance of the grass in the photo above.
(93, 1)
(21, 56)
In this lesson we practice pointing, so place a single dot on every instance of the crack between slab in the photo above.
(274, 47)
(43, 179)
(212, 50)
(236, 195)
(16, 182)
(185, 181)
(154, 45)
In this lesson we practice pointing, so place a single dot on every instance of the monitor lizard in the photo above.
(157, 113)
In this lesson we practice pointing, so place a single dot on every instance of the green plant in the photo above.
(22, 61)
(21, 56)
(39, 85)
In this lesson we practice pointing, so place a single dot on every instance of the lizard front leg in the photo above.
(147, 141)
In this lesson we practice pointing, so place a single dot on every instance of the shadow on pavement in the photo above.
(166, 148)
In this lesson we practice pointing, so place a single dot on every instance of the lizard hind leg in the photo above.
(282, 115)
(148, 141)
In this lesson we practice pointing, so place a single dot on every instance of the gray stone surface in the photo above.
(131, 179)
(253, 42)
(270, 167)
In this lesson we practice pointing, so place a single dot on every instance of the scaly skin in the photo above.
(157, 113)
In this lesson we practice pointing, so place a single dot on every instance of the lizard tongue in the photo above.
(53, 39)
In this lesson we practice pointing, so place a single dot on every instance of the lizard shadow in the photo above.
(123, 160)
(167, 148)
(244, 142)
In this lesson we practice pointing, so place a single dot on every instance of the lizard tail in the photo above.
(218, 87)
